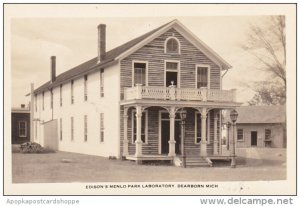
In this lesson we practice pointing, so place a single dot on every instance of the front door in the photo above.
(253, 138)
(165, 135)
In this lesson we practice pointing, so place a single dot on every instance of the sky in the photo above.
(74, 41)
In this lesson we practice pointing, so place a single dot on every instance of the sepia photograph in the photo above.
(109, 102)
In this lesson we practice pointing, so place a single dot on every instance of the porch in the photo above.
(153, 131)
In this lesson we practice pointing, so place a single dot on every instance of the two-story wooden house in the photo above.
(126, 102)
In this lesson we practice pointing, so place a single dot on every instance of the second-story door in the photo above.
(171, 77)
(171, 73)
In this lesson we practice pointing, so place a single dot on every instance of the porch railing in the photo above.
(173, 93)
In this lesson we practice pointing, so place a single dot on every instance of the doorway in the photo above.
(165, 133)
(253, 138)
(171, 76)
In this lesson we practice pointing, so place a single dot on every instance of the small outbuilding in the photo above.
(20, 125)
(260, 126)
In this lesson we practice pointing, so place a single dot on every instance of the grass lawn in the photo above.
(253, 164)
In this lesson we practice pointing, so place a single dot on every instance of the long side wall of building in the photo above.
(95, 104)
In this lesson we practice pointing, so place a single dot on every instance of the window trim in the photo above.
(208, 74)
(207, 128)
(132, 126)
(178, 72)
(270, 134)
(237, 134)
(165, 45)
(25, 129)
(132, 71)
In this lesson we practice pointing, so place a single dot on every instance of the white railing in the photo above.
(172, 93)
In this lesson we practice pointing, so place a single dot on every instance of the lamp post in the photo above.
(228, 125)
(233, 117)
(182, 114)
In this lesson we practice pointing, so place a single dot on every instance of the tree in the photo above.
(268, 93)
(267, 43)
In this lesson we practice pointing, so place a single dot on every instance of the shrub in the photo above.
(33, 147)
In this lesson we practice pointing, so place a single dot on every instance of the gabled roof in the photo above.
(259, 114)
(126, 49)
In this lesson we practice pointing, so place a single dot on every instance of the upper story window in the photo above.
(102, 83)
(72, 92)
(85, 87)
(202, 76)
(172, 45)
(139, 73)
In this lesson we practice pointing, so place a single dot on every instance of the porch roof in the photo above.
(191, 103)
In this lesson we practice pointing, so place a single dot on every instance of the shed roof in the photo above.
(260, 114)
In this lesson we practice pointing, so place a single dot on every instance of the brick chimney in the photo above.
(53, 68)
(101, 42)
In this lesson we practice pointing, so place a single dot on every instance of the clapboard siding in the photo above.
(153, 52)
(153, 133)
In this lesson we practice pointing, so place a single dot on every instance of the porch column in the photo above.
(138, 141)
(203, 149)
(125, 140)
(216, 134)
(172, 130)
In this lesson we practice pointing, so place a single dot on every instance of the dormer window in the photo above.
(172, 45)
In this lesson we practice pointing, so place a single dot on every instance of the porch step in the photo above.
(196, 161)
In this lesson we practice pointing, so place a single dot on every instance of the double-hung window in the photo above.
(267, 134)
(202, 76)
(240, 134)
(139, 73)
(22, 129)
